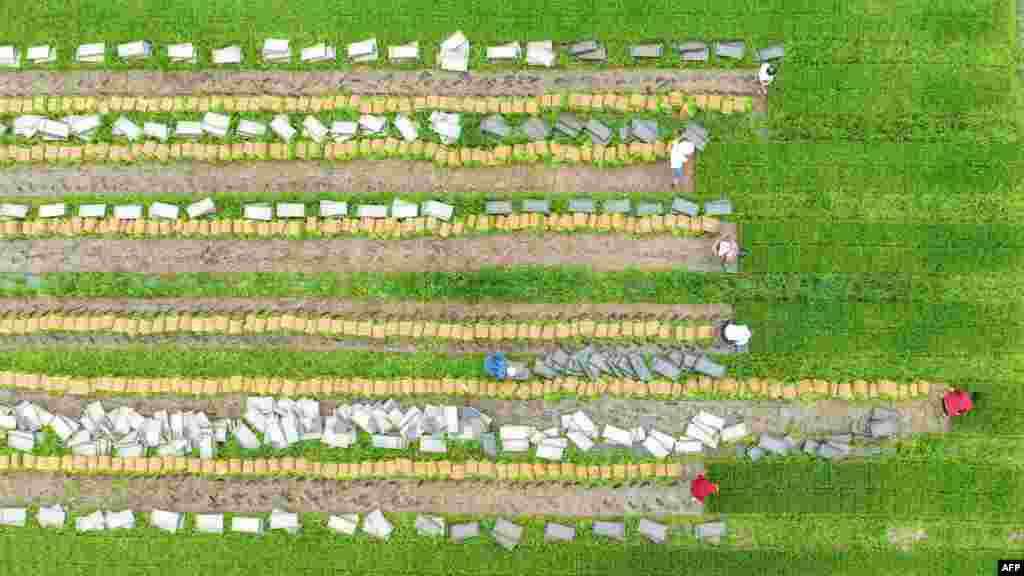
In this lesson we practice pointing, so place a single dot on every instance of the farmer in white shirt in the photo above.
(736, 334)
(681, 150)
(765, 76)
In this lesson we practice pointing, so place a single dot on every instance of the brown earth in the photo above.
(358, 176)
(815, 420)
(158, 256)
(195, 494)
(447, 310)
(407, 82)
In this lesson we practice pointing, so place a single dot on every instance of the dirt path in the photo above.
(361, 176)
(598, 252)
(822, 418)
(399, 308)
(410, 82)
(192, 494)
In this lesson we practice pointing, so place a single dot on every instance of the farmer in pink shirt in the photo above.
(701, 488)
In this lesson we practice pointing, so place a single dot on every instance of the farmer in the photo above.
(736, 334)
(681, 150)
(765, 76)
(701, 487)
(728, 250)
(957, 402)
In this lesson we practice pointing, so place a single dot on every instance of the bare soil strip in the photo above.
(823, 417)
(196, 494)
(357, 176)
(598, 252)
(398, 308)
(407, 82)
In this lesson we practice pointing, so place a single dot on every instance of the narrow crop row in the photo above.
(376, 148)
(385, 227)
(143, 324)
(288, 466)
(667, 103)
(470, 387)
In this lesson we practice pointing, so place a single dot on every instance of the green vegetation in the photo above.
(526, 284)
(732, 126)
(214, 25)
(144, 361)
(232, 205)
(363, 451)
(827, 532)
(882, 211)
(316, 547)
(887, 489)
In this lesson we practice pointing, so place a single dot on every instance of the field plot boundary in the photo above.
(409, 308)
(470, 387)
(356, 176)
(314, 227)
(405, 82)
(359, 255)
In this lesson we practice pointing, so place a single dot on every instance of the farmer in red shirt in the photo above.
(957, 402)
(701, 487)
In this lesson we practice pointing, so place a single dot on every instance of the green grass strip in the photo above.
(833, 328)
(528, 284)
(889, 488)
(210, 362)
(315, 548)
(848, 531)
(820, 183)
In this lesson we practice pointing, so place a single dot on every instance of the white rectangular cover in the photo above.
(282, 127)
(363, 48)
(438, 210)
(258, 212)
(188, 129)
(315, 129)
(137, 49)
(41, 54)
(52, 210)
(156, 130)
(19, 211)
(331, 209)
(128, 212)
(251, 129)
(228, 55)
(125, 127)
(201, 208)
(344, 524)
(92, 210)
(210, 523)
(291, 210)
(91, 52)
(318, 53)
(163, 210)
(404, 52)
(247, 525)
(510, 51)
(181, 52)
